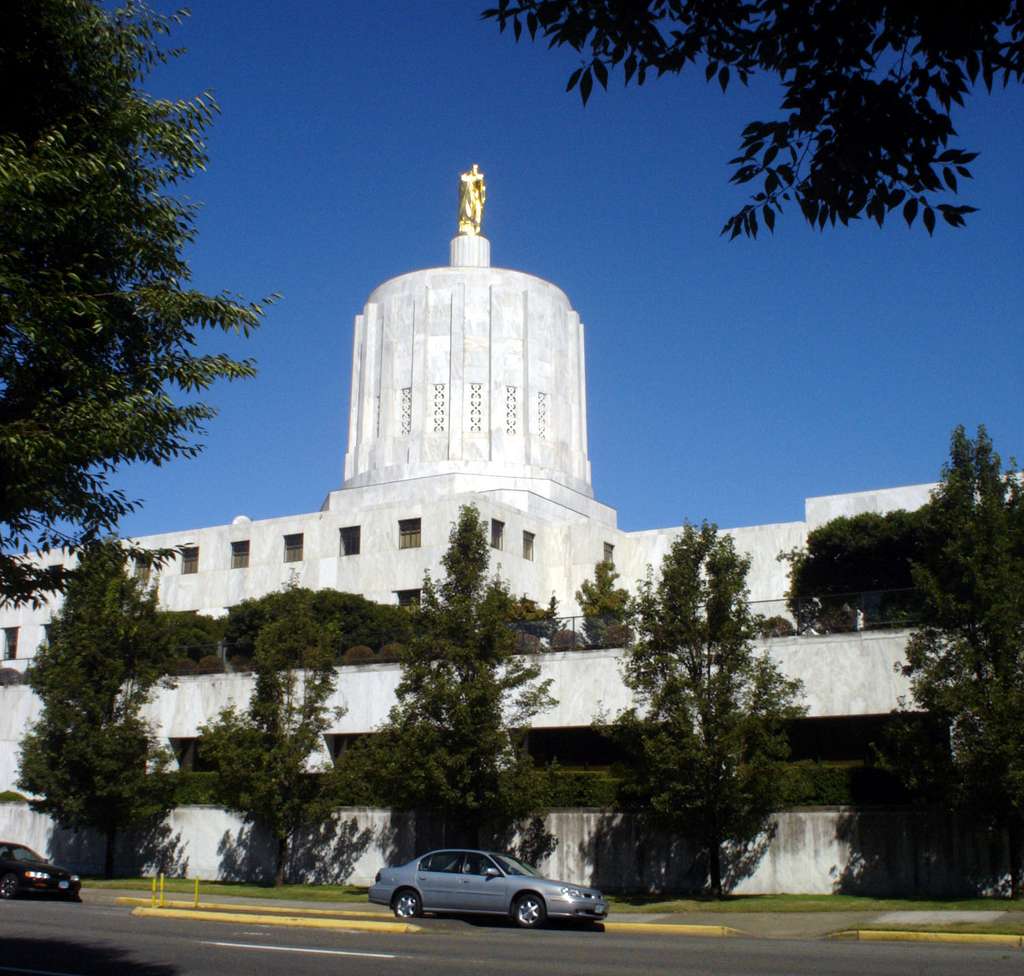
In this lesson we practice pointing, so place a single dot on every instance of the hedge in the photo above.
(806, 784)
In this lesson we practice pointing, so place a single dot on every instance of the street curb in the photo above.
(669, 928)
(977, 938)
(285, 921)
(250, 909)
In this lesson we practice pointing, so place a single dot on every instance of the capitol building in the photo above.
(469, 388)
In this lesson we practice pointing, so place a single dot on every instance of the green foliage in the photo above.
(191, 634)
(192, 788)
(452, 742)
(858, 553)
(820, 784)
(9, 796)
(346, 619)
(966, 664)
(98, 322)
(91, 757)
(862, 561)
(573, 788)
(864, 123)
(710, 724)
(603, 605)
(263, 755)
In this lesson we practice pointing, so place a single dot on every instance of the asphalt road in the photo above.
(57, 939)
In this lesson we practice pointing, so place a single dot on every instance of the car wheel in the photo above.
(8, 886)
(529, 911)
(407, 904)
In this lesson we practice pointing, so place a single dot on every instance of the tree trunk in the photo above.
(1013, 831)
(282, 861)
(715, 867)
(108, 853)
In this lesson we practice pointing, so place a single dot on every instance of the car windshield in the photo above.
(19, 853)
(512, 865)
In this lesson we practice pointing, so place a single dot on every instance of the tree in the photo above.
(604, 606)
(454, 741)
(863, 561)
(709, 727)
(346, 618)
(966, 664)
(266, 756)
(867, 89)
(98, 322)
(91, 759)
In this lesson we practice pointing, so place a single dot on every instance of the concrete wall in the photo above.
(811, 851)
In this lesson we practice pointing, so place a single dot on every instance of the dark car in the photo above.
(23, 871)
(486, 882)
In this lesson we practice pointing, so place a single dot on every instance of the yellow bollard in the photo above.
(162, 901)
(152, 900)
(195, 901)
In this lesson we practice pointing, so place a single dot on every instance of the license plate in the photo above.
(63, 884)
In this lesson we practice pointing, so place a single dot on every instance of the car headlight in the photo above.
(75, 877)
(571, 892)
(37, 875)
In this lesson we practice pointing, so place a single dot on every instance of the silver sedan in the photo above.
(484, 882)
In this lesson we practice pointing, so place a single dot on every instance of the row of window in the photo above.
(410, 536)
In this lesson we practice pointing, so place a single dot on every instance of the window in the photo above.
(10, 643)
(408, 598)
(408, 533)
(447, 862)
(609, 553)
(293, 548)
(497, 534)
(142, 570)
(350, 540)
(189, 560)
(528, 545)
(240, 554)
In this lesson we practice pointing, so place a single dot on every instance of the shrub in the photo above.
(9, 796)
(359, 654)
(776, 626)
(184, 665)
(209, 664)
(391, 652)
(240, 662)
(527, 643)
(618, 635)
(581, 788)
(564, 640)
(10, 676)
(192, 787)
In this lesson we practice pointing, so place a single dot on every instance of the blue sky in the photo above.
(727, 380)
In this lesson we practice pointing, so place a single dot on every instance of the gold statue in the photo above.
(472, 196)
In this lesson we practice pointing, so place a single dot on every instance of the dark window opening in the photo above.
(409, 533)
(350, 540)
(189, 560)
(240, 554)
(293, 545)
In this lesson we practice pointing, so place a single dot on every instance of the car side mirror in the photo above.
(492, 872)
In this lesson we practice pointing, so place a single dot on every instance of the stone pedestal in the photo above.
(470, 252)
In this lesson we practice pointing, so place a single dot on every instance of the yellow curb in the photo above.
(715, 931)
(265, 909)
(978, 938)
(292, 921)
